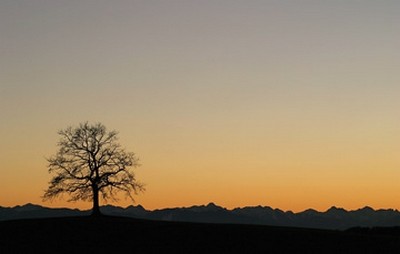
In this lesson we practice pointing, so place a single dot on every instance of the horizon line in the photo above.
(206, 205)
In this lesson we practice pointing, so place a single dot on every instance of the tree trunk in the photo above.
(96, 207)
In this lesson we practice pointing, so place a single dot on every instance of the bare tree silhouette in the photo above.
(90, 162)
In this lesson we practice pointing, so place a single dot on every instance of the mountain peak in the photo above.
(213, 207)
(28, 207)
(138, 207)
(335, 209)
(367, 208)
(211, 204)
(310, 211)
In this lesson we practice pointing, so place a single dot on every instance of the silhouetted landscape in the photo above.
(334, 218)
(110, 234)
(288, 104)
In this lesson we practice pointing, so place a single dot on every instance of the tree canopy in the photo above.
(90, 163)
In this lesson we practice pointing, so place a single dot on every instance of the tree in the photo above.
(90, 162)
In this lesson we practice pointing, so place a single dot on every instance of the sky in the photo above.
(291, 104)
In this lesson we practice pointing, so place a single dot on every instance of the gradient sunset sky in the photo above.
(292, 104)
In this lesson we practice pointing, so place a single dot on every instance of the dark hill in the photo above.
(334, 218)
(126, 235)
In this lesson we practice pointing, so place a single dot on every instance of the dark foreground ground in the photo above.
(126, 235)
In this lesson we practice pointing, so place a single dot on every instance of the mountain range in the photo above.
(334, 218)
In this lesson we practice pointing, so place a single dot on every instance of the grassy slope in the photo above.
(126, 235)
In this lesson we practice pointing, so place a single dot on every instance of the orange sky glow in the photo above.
(288, 104)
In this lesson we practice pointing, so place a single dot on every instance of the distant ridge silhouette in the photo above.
(333, 218)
